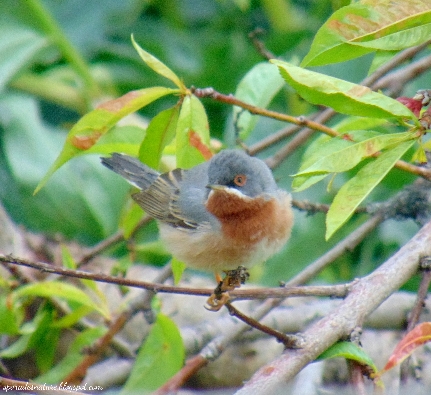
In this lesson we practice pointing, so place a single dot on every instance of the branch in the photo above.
(230, 99)
(258, 293)
(365, 296)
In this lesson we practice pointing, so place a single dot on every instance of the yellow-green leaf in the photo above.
(192, 134)
(354, 191)
(158, 66)
(87, 131)
(51, 289)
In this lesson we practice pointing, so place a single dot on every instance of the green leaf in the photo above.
(67, 258)
(125, 139)
(343, 96)
(192, 134)
(50, 289)
(258, 87)
(130, 218)
(11, 316)
(178, 268)
(160, 133)
(323, 146)
(363, 27)
(75, 354)
(160, 357)
(96, 123)
(352, 124)
(72, 318)
(348, 350)
(31, 332)
(158, 66)
(17, 348)
(348, 157)
(18, 46)
(354, 191)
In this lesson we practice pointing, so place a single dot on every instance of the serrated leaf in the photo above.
(88, 130)
(348, 350)
(49, 289)
(159, 358)
(346, 158)
(343, 96)
(160, 133)
(192, 134)
(365, 26)
(158, 66)
(418, 336)
(354, 191)
(258, 87)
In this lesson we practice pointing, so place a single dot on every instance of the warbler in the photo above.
(219, 215)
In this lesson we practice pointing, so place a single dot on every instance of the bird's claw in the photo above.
(233, 279)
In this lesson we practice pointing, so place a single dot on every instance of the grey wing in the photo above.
(131, 169)
(161, 200)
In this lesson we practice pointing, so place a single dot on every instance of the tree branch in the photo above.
(238, 294)
(366, 294)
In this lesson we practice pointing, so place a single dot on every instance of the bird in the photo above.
(221, 215)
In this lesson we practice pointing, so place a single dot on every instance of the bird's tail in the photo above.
(135, 172)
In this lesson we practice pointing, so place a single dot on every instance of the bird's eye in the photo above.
(240, 180)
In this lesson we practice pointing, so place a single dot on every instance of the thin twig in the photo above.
(192, 365)
(96, 351)
(259, 45)
(289, 341)
(258, 293)
(417, 309)
(110, 241)
(230, 99)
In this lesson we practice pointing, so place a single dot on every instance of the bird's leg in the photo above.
(233, 279)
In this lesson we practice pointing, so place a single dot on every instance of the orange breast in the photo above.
(247, 221)
(252, 230)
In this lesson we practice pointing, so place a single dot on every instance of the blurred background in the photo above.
(58, 59)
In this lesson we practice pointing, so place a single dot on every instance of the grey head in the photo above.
(235, 169)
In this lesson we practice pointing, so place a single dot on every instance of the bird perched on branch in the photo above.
(224, 214)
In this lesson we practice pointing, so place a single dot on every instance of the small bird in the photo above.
(223, 214)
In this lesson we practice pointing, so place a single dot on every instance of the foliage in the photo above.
(57, 71)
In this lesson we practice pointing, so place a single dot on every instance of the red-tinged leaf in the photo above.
(370, 25)
(196, 141)
(413, 105)
(421, 334)
(87, 131)
(343, 96)
(192, 133)
(85, 142)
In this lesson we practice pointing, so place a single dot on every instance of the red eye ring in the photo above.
(240, 180)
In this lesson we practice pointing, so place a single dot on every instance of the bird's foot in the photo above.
(233, 279)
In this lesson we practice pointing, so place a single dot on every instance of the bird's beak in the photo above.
(216, 187)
